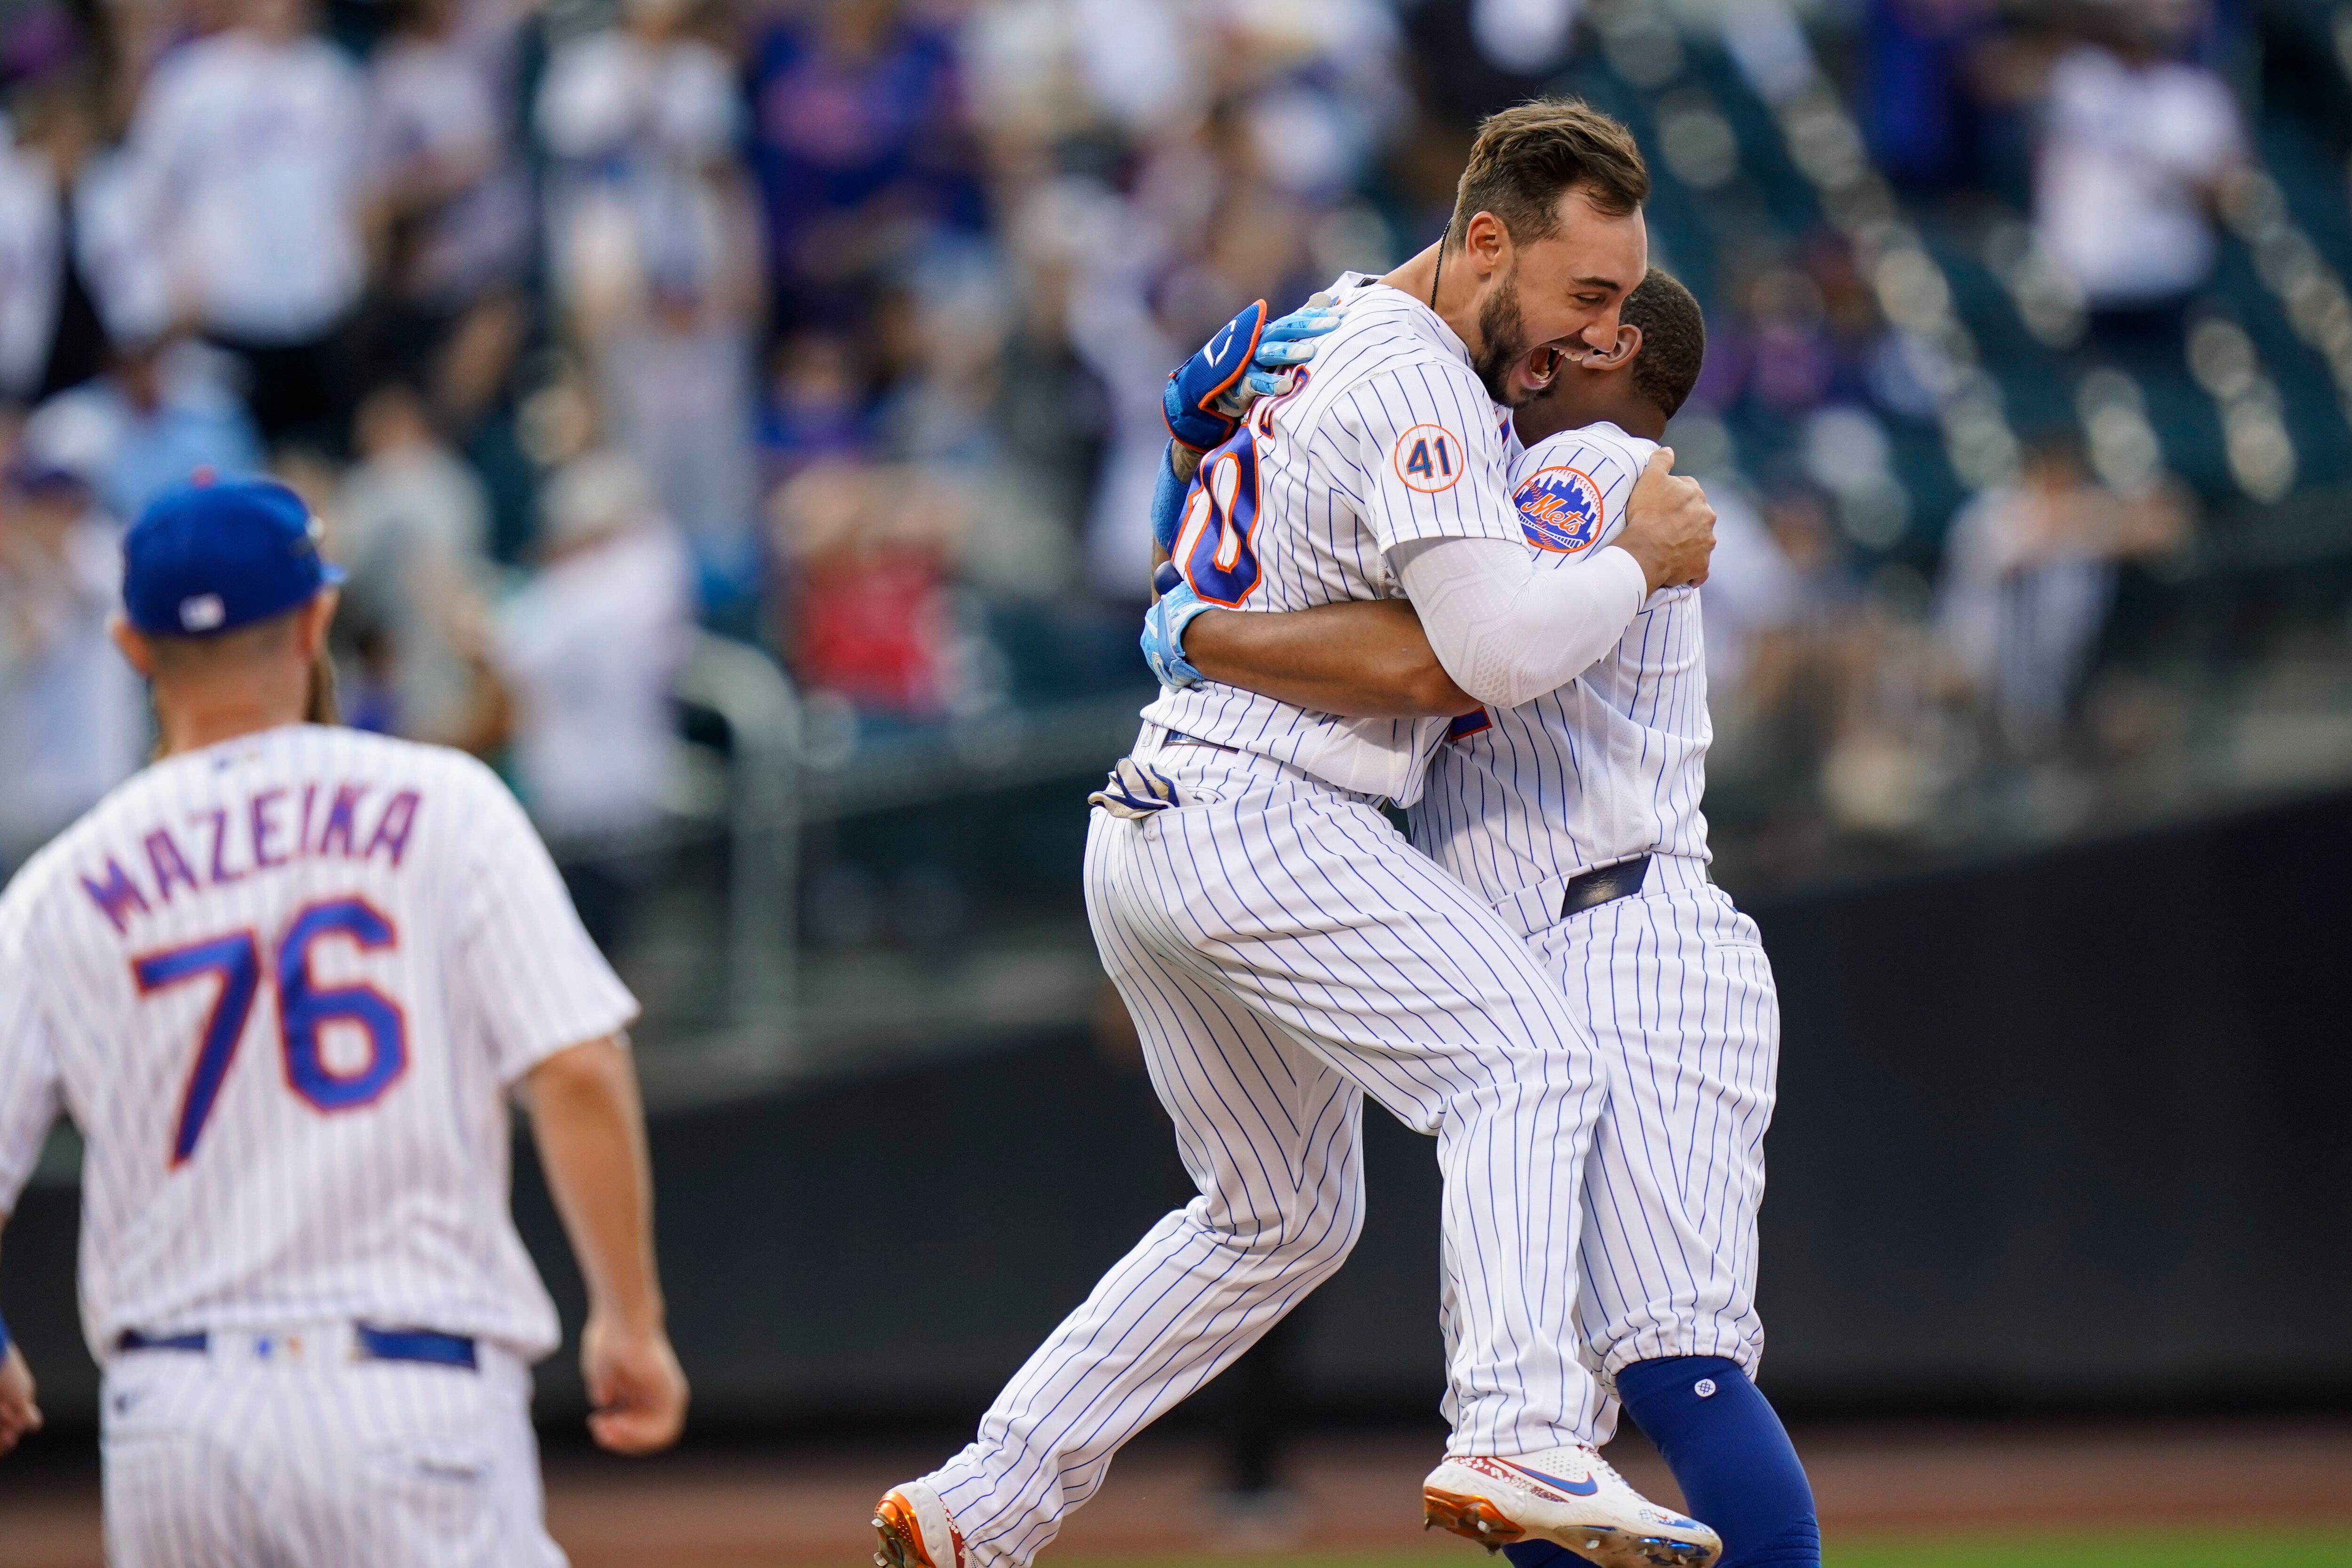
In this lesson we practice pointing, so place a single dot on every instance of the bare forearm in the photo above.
(1366, 659)
(591, 1131)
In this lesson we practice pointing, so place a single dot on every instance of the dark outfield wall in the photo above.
(2068, 1130)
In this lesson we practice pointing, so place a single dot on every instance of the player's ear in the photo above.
(134, 648)
(1485, 242)
(311, 623)
(1620, 353)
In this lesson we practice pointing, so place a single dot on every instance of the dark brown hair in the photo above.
(1674, 339)
(1526, 156)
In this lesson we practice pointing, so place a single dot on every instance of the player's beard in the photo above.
(1503, 340)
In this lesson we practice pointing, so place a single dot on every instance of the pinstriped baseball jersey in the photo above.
(1609, 766)
(1390, 436)
(282, 984)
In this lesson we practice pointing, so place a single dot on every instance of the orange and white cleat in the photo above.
(915, 1530)
(1570, 1497)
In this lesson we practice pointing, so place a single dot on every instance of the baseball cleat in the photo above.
(915, 1530)
(1570, 1497)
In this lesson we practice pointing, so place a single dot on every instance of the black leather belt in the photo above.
(371, 1343)
(1595, 889)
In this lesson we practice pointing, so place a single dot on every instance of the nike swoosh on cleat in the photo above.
(1578, 1488)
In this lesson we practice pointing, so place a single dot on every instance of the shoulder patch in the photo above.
(1561, 510)
(1428, 458)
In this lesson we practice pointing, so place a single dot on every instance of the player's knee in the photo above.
(1306, 1231)
(1328, 1237)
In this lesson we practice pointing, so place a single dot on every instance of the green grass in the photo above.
(2223, 1547)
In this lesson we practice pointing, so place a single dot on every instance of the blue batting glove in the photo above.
(1282, 346)
(1163, 627)
(1200, 397)
(1208, 395)
(1289, 342)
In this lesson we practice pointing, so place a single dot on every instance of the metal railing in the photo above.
(753, 697)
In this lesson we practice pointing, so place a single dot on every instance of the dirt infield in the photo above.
(797, 1509)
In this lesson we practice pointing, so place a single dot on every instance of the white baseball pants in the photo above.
(1675, 987)
(1284, 952)
(252, 1456)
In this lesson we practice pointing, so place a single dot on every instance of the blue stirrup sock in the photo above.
(1729, 1453)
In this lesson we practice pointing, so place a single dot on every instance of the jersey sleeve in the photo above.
(1569, 490)
(30, 1091)
(1424, 453)
(538, 980)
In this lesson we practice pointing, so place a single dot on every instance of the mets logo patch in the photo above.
(1561, 510)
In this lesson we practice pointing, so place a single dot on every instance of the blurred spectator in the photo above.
(1122, 340)
(656, 260)
(872, 618)
(1052, 410)
(412, 530)
(1792, 362)
(1091, 76)
(251, 146)
(860, 145)
(1917, 107)
(1476, 55)
(2029, 576)
(1795, 614)
(1751, 592)
(78, 274)
(456, 197)
(588, 653)
(158, 416)
(815, 408)
(2134, 147)
(72, 715)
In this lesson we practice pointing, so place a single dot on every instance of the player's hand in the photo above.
(19, 1414)
(1289, 341)
(636, 1386)
(1669, 526)
(1207, 396)
(1163, 627)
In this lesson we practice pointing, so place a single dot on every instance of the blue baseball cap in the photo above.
(210, 556)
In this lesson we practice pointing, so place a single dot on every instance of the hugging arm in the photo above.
(1485, 626)
(1367, 658)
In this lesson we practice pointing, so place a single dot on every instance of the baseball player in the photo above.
(285, 981)
(1575, 816)
(1285, 953)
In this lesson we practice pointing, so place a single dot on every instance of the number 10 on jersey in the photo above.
(1217, 543)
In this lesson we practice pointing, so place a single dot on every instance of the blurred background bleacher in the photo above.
(736, 417)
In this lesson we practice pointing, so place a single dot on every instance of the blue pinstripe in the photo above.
(1672, 983)
(1285, 953)
(222, 1459)
(1677, 990)
(1331, 505)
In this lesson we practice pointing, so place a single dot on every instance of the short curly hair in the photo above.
(1528, 154)
(1674, 339)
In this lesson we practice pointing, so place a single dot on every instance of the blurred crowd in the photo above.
(839, 326)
